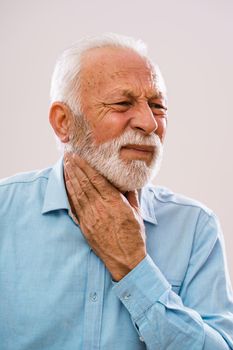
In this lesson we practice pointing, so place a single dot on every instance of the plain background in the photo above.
(192, 43)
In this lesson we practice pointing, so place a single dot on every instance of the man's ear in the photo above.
(60, 120)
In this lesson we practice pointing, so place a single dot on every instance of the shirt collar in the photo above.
(147, 205)
(56, 196)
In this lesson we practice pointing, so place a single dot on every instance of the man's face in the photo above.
(124, 117)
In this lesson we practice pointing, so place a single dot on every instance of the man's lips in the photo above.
(138, 152)
(142, 148)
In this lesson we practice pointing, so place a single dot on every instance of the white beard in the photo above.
(125, 175)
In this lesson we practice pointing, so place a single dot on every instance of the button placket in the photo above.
(94, 302)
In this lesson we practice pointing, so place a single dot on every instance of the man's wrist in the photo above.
(121, 273)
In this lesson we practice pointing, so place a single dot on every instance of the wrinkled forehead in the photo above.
(105, 68)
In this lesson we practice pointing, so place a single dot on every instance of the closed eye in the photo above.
(157, 106)
(123, 103)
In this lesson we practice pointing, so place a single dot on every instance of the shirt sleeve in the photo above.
(201, 316)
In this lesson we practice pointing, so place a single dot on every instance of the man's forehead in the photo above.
(121, 71)
(114, 62)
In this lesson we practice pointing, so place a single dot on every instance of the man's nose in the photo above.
(143, 119)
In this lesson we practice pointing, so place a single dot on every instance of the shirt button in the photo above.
(141, 338)
(126, 296)
(93, 296)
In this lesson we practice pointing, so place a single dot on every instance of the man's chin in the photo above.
(134, 180)
(129, 183)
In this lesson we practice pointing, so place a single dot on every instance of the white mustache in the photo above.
(133, 137)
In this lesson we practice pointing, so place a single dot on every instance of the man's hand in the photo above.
(110, 221)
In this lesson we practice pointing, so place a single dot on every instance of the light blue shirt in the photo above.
(56, 294)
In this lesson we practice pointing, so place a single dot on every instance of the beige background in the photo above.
(192, 42)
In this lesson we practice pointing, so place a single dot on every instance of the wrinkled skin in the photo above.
(110, 221)
(120, 90)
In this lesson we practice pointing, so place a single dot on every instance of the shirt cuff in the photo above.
(141, 288)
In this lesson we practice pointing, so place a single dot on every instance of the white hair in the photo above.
(65, 84)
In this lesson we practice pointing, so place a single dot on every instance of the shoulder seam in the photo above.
(201, 207)
(187, 205)
(23, 182)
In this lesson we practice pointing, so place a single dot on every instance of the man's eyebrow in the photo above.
(121, 92)
(157, 95)
(129, 93)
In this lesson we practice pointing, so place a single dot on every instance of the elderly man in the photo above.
(92, 255)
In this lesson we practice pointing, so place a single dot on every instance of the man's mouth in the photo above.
(137, 152)
(140, 148)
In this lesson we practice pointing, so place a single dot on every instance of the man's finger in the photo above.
(75, 201)
(75, 190)
(101, 184)
(84, 182)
